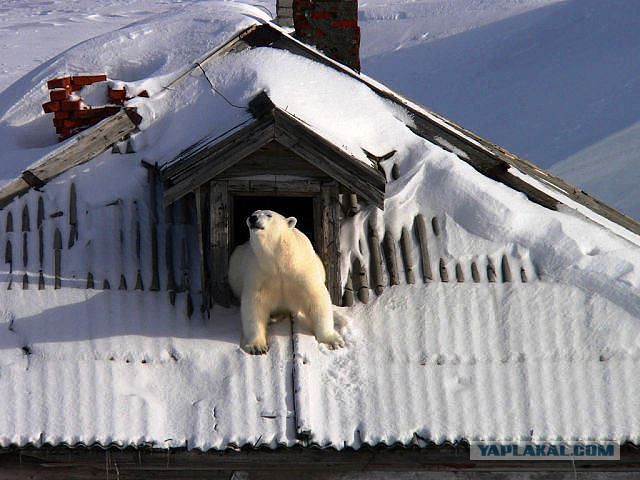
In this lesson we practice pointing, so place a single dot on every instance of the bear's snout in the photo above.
(254, 223)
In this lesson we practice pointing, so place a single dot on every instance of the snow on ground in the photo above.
(547, 79)
(388, 26)
(156, 376)
(608, 170)
(546, 84)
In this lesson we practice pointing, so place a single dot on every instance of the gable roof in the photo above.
(491, 160)
(209, 158)
(511, 306)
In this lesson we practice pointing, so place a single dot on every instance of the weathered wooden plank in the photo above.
(375, 261)
(360, 281)
(73, 216)
(444, 274)
(9, 222)
(391, 258)
(8, 259)
(168, 245)
(523, 275)
(491, 270)
(347, 296)
(39, 223)
(189, 171)
(329, 239)
(204, 231)
(352, 204)
(152, 176)
(364, 180)
(395, 171)
(137, 463)
(26, 223)
(506, 269)
(138, 246)
(273, 159)
(25, 250)
(220, 221)
(475, 273)
(11, 190)
(435, 225)
(57, 259)
(459, 273)
(122, 253)
(420, 226)
(76, 151)
(407, 260)
(289, 187)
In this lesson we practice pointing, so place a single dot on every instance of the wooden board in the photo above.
(62, 463)
(273, 159)
(186, 174)
(220, 221)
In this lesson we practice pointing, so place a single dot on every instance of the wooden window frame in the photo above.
(326, 209)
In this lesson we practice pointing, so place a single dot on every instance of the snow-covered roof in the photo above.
(105, 343)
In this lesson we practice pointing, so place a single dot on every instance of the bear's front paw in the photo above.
(333, 340)
(257, 347)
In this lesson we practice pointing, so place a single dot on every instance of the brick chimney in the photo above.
(329, 25)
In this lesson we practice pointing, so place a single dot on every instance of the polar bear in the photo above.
(277, 272)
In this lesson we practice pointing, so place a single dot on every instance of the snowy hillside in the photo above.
(547, 84)
(609, 170)
(548, 79)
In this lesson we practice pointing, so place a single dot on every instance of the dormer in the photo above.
(275, 162)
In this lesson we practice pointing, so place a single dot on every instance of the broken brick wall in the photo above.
(331, 26)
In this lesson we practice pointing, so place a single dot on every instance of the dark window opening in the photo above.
(243, 206)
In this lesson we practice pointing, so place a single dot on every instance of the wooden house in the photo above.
(489, 299)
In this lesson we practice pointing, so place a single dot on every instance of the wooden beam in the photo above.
(76, 151)
(364, 180)
(59, 463)
(190, 170)
(329, 239)
(220, 222)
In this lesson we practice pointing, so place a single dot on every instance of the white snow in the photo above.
(507, 347)
(532, 75)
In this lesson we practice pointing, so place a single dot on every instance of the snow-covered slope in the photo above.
(392, 25)
(609, 170)
(547, 84)
(547, 79)
(85, 363)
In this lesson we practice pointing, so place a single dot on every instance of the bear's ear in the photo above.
(291, 221)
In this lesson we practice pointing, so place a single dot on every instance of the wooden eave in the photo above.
(208, 159)
(63, 462)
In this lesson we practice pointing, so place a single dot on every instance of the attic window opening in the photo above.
(289, 206)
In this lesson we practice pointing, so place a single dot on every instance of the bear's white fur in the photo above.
(277, 272)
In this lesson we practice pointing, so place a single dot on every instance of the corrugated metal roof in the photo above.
(448, 362)
(437, 361)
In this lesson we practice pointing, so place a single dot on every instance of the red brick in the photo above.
(63, 133)
(59, 94)
(82, 80)
(51, 107)
(344, 23)
(63, 82)
(322, 15)
(117, 96)
(70, 105)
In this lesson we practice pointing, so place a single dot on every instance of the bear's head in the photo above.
(266, 229)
